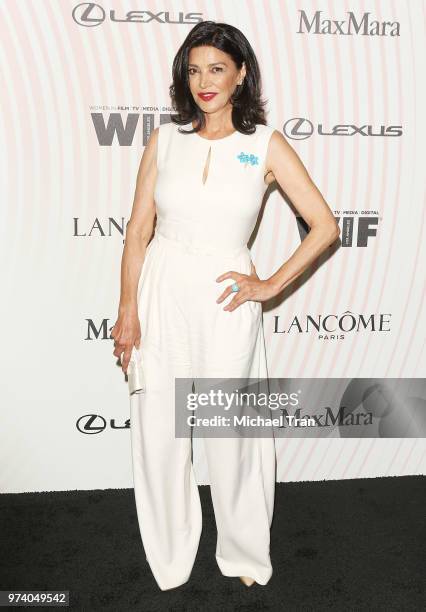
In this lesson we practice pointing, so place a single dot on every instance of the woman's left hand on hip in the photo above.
(250, 288)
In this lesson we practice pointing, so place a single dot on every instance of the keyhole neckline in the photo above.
(213, 139)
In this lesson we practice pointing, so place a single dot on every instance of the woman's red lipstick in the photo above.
(207, 96)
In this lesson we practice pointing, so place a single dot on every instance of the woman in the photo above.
(205, 182)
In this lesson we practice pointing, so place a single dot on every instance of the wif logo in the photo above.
(111, 127)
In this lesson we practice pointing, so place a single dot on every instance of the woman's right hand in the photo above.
(126, 333)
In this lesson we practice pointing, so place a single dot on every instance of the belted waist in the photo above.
(199, 249)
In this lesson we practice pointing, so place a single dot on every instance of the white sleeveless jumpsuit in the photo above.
(202, 231)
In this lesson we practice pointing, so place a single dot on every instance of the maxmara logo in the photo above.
(364, 25)
(89, 15)
(334, 326)
(99, 331)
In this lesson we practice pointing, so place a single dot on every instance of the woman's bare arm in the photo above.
(140, 225)
(292, 176)
(126, 331)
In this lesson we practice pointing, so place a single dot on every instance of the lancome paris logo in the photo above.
(100, 228)
(90, 14)
(363, 24)
(300, 128)
(329, 326)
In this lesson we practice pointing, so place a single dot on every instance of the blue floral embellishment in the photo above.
(248, 158)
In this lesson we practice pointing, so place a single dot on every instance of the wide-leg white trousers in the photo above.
(186, 334)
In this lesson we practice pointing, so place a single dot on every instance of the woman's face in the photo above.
(210, 70)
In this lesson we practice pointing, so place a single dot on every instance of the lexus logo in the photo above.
(91, 424)
(300, 128)
(89, 14)
(95, 423)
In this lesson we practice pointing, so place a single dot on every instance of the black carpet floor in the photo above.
(335, 545)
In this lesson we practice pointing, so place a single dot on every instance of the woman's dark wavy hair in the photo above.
(247, 103)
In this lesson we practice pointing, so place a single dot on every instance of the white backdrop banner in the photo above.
(82, 87)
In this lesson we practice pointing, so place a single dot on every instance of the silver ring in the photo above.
(235, 287)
